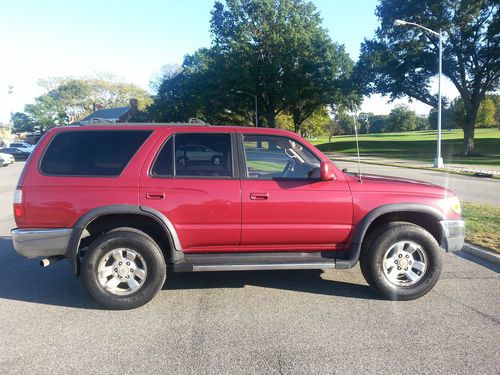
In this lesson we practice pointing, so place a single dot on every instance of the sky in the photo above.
(134, 39)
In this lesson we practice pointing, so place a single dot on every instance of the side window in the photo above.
(163, 165)
(91, 153)
(203, 155)
(274, 157)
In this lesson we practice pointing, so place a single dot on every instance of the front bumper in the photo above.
(453, 235)
(35, 243)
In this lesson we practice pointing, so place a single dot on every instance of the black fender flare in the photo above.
(87, 218)
(359, 234)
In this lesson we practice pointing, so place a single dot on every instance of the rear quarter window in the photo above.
(91, 153)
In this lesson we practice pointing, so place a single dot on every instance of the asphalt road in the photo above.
(248, 322)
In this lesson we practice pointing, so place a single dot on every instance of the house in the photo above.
(130, 113)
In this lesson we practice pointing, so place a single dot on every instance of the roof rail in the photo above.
(191, 122)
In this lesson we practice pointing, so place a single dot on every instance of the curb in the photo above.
(482, 253)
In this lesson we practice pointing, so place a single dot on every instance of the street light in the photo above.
(255, 97)
(438, 162)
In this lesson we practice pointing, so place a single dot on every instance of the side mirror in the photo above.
(326, 171)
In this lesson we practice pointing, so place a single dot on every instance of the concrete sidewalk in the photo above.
(493, 170)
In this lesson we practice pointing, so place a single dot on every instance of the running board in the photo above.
(253, 261)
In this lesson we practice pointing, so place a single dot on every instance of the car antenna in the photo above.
(357, 150)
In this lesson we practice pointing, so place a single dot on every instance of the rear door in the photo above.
(199, 194)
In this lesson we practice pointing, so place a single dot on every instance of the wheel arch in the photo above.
(104, 218)
(420, 214)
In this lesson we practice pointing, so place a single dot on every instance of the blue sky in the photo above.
(132, 39)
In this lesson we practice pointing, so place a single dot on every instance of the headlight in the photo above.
(455, 205)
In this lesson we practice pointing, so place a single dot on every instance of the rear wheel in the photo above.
(401, 261)
(123, 269)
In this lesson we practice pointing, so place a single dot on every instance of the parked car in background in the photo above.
(23, 146)
(6, 159)
(194, 153)
(17, 153)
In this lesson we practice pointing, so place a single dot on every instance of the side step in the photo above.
(253, 261)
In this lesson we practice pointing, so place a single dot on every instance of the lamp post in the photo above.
(438, 161)
(256, 113)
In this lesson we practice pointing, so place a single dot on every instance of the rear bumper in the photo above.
(453, 235)
(35, 243)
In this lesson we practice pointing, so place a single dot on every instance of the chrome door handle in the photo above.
(259, 196)
(155, 195)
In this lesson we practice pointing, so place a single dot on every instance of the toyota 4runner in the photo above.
(121, 202)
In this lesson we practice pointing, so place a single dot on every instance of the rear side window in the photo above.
(91, 153)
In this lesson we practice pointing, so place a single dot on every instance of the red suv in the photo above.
(120, 202)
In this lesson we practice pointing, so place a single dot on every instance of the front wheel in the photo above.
(123, 269)
(402, 262)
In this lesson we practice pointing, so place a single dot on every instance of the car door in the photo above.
(201, 199)
(285, 206)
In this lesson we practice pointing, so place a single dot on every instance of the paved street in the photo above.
(247, 322)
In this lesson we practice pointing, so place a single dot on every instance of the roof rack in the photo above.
(192, 122)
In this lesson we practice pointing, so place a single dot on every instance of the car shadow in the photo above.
(24, 280)
(305, 281)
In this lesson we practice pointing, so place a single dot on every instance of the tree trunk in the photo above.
(468, 149)
(468, 128)
(271, 119)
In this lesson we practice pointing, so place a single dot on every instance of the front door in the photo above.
(285, 206)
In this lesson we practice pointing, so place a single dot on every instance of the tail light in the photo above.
(18, 204)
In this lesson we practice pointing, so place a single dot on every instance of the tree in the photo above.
(276, 50)
(22, 122)
(402, 60)
(486, 114)
(69, 99)
(402, 119)
(486, 117)
(422, 123)
(332, 128)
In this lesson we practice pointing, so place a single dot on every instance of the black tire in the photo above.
(383, 242)
(148, 259)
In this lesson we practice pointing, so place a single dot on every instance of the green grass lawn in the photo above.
(419, 146)
(483, 225)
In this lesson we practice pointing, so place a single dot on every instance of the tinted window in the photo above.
(163, 165)
(91, 153)
(269, 157)
(203, 155)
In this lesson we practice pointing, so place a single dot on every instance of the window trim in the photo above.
(234, 167)
(40, 160)
(243, 161)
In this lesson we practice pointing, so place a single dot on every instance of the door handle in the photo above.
(155, 195)
(259, 196)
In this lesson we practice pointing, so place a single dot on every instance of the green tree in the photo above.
(364, 122)
(22, 123)
(401, 119)
(486, 117)
(69, 99)
(332, 128)
(276, 50)
(486, 114)
(402, 60)
(422, 123)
